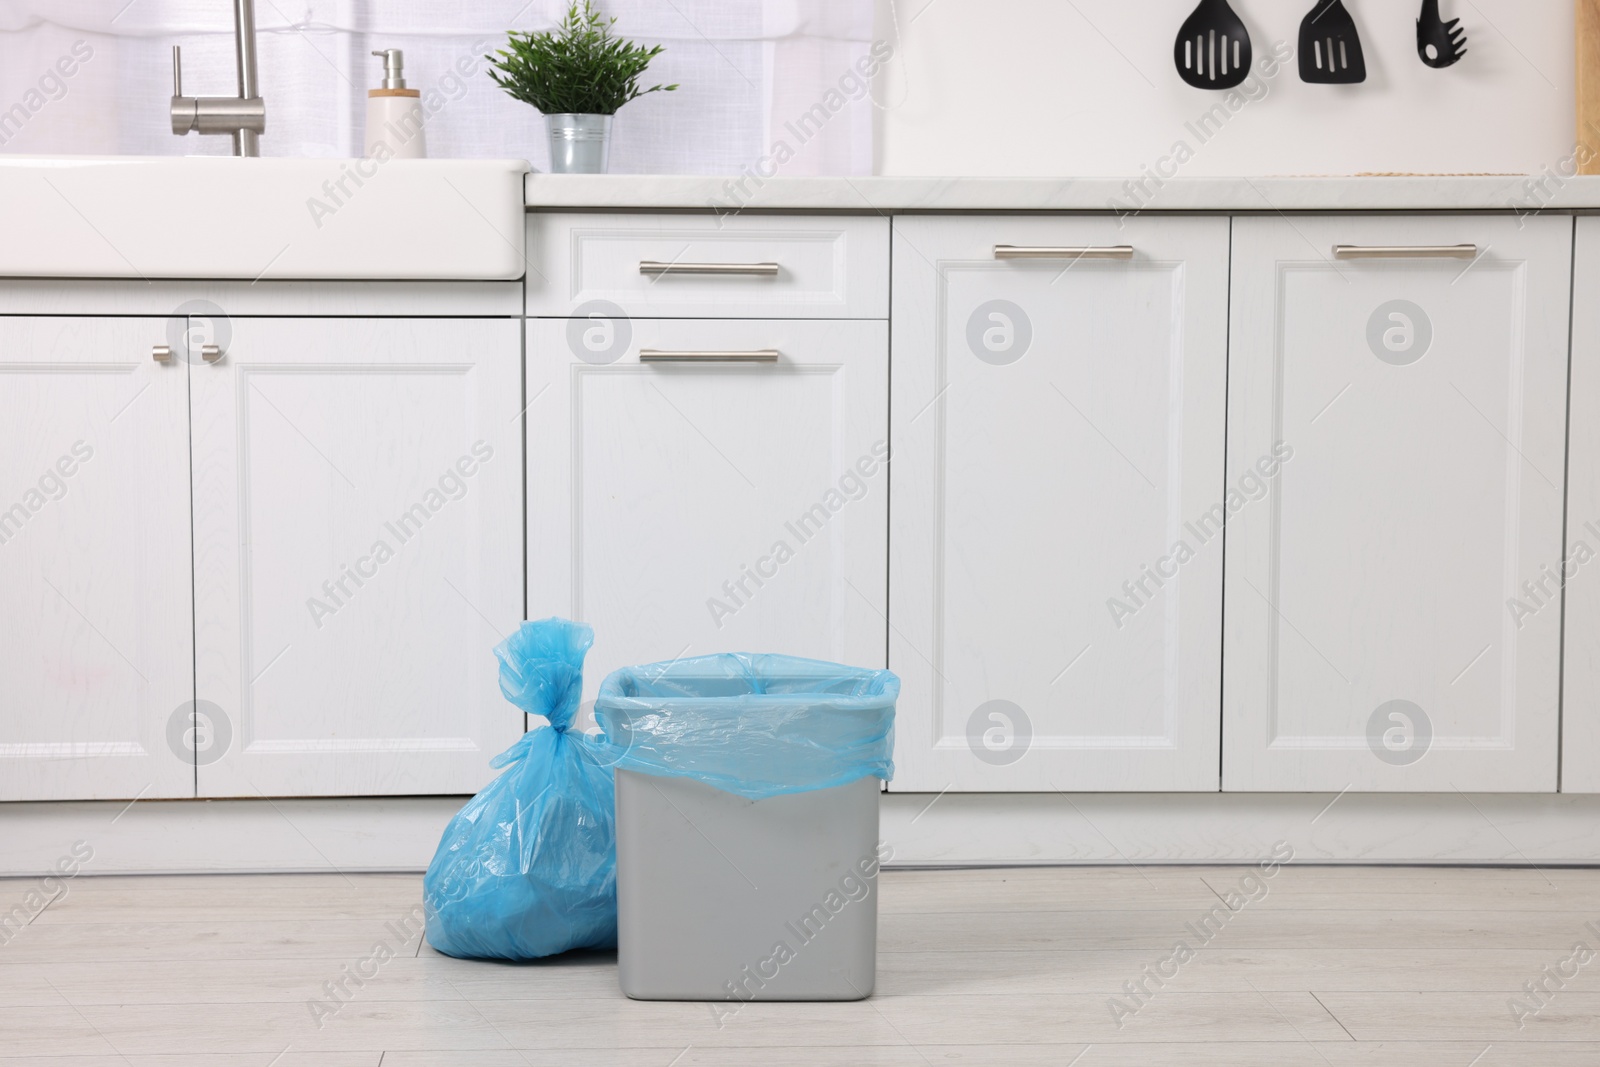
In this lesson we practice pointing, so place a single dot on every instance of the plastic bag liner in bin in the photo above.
(753, 725)
(529, 867)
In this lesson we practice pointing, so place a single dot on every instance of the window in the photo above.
(774, 85)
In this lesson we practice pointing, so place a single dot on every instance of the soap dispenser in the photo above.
(394, 114)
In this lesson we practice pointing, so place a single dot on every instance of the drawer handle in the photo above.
(763, 270)
(756, 355)
(161, 353)
(1405, 251)
(1055, 252)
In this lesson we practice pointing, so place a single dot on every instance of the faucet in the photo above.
(244, 116)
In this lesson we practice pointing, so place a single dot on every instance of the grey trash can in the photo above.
(729, 897)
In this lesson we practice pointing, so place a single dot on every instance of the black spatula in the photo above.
(1213, 47)
(1330, 47)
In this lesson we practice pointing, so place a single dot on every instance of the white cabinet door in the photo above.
(1056, 596)
(1580, 564)
(96, 658)
(358, 553)
(1373, 641)
(685, 508)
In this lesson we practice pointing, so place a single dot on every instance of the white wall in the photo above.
(1087, 87)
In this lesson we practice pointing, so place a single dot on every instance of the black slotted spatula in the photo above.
(1330, 47)
(1213, 47)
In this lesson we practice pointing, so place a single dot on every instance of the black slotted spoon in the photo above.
(1330, 47)
(1213, 47)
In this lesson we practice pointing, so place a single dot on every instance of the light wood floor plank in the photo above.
(1572, 1014)
(266, 1029)
(290, 1058)
(1183, 1017)
(592, 976)
(90, 881)
(1222, 1054)
(1049, 888)
(242, 939)
(332, 905)
(1216, 970)
(1250, 927)
(212, 981)
(1229, 1054)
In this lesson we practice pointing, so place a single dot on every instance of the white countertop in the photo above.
(1375, 193)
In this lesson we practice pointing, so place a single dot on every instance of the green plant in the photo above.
(578, 68)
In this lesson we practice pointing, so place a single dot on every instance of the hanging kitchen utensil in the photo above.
(1213, 47)
(1330, 47)
(1447, 42)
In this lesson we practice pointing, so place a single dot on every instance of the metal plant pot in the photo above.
(578, 143)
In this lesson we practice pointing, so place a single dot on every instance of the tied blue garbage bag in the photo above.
(753, 725)
(529, 867)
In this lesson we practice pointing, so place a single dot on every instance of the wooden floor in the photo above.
(1325, 967)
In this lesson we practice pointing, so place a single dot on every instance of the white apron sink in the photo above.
(222, 217)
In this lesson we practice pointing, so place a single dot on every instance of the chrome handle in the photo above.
(1405, 251)
(1063, 252)
(185, 110)
(756, 355)
(245, 114)
(764, 270)
(210, 353)
(161, 353)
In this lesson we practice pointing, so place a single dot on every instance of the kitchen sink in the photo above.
(224, 217)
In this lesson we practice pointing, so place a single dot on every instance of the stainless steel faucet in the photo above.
(244, 116)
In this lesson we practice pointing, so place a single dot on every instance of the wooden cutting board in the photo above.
(1588, 83)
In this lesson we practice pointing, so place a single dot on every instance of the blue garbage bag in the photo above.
(754, 725)
(529, 867)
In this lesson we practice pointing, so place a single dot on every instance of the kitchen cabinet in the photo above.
(1579, 566)
(686, 498)
(282, 571)
(357, 552)
(95, 643)
(1056, 575)
(1417, 400)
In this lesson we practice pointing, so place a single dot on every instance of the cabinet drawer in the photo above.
(706, 266)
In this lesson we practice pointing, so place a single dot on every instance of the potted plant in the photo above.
(578, 75)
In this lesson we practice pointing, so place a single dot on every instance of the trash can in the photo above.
(747, 826)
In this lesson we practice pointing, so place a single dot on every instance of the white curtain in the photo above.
(93, 77)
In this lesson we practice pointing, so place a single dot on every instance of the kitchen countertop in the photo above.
(1367, 193)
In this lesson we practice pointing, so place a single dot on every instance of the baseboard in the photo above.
(951, 829)
(225, 836)
(1154, 828)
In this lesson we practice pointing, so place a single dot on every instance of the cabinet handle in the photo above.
(764, 270)
(210, 353)
(1405, 251)
(161, 353)
(756, 355)
(1063, 252)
